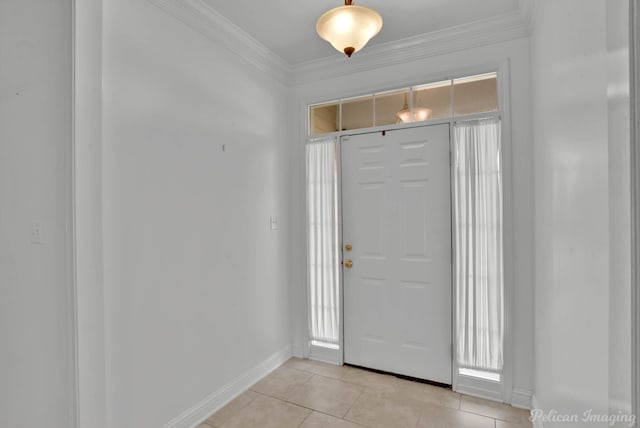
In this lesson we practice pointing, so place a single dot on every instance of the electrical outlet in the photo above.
(273, 222)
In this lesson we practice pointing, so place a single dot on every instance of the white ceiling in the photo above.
(287, 27)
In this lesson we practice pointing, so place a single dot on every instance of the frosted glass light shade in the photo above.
(419, 114)
(348, 28)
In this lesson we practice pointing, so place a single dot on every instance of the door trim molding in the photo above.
(634, 80)
(508, 261)
(497, 391)
(86, 276)
(502, 66)
(535, 421)
(521, 398)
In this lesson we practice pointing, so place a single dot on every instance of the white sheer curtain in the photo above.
(322, 241)
(478, 239)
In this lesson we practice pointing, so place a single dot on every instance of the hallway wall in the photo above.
(195, 162)
(36, 347)
(581, 171)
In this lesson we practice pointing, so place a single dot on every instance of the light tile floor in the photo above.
(310, 394)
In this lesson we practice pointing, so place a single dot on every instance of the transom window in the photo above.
(436, 100)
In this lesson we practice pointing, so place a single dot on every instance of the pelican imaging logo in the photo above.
(589, 416)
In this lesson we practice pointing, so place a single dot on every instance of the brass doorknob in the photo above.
(348, 264)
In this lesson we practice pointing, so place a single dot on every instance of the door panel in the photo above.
(396, 215)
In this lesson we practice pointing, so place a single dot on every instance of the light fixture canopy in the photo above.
(419, 113)
(348, 28)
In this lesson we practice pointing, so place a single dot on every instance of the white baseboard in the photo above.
(298, 351)
(474, 391)
(521, 398)
(537, 423)
(325, 355)
(480, 388)
(218, 399)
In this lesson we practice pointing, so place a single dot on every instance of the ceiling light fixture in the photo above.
(419, 113)
(348, 28)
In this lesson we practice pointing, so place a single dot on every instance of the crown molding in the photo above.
(528, 12)
(200, 17)
(207, 21)
(497, 29)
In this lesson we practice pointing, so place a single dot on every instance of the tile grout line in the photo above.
(353, 404)
(234, 413)
(459, 406)
(286, 400)
(366, 388)
(363, 389)
(490, 417)
(389, 376)
(305, 418)
(341, 379)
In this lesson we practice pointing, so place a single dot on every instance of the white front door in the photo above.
(396, 213)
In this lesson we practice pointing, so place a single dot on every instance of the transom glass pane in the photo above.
(388, 104)
(435, 97)
(476, 94)
(357, 113)
(324, 118)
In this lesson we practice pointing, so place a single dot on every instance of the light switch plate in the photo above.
(36, 233)
(273, 222)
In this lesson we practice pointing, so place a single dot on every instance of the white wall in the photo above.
(581, 200)
(88, 214)
(420, 71)
(36, 371)
(196, 284)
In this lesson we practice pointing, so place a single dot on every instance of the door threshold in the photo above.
(401, 376)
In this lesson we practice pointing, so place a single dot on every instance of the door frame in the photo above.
(634, 115)
(497, 391)
(503, 391)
